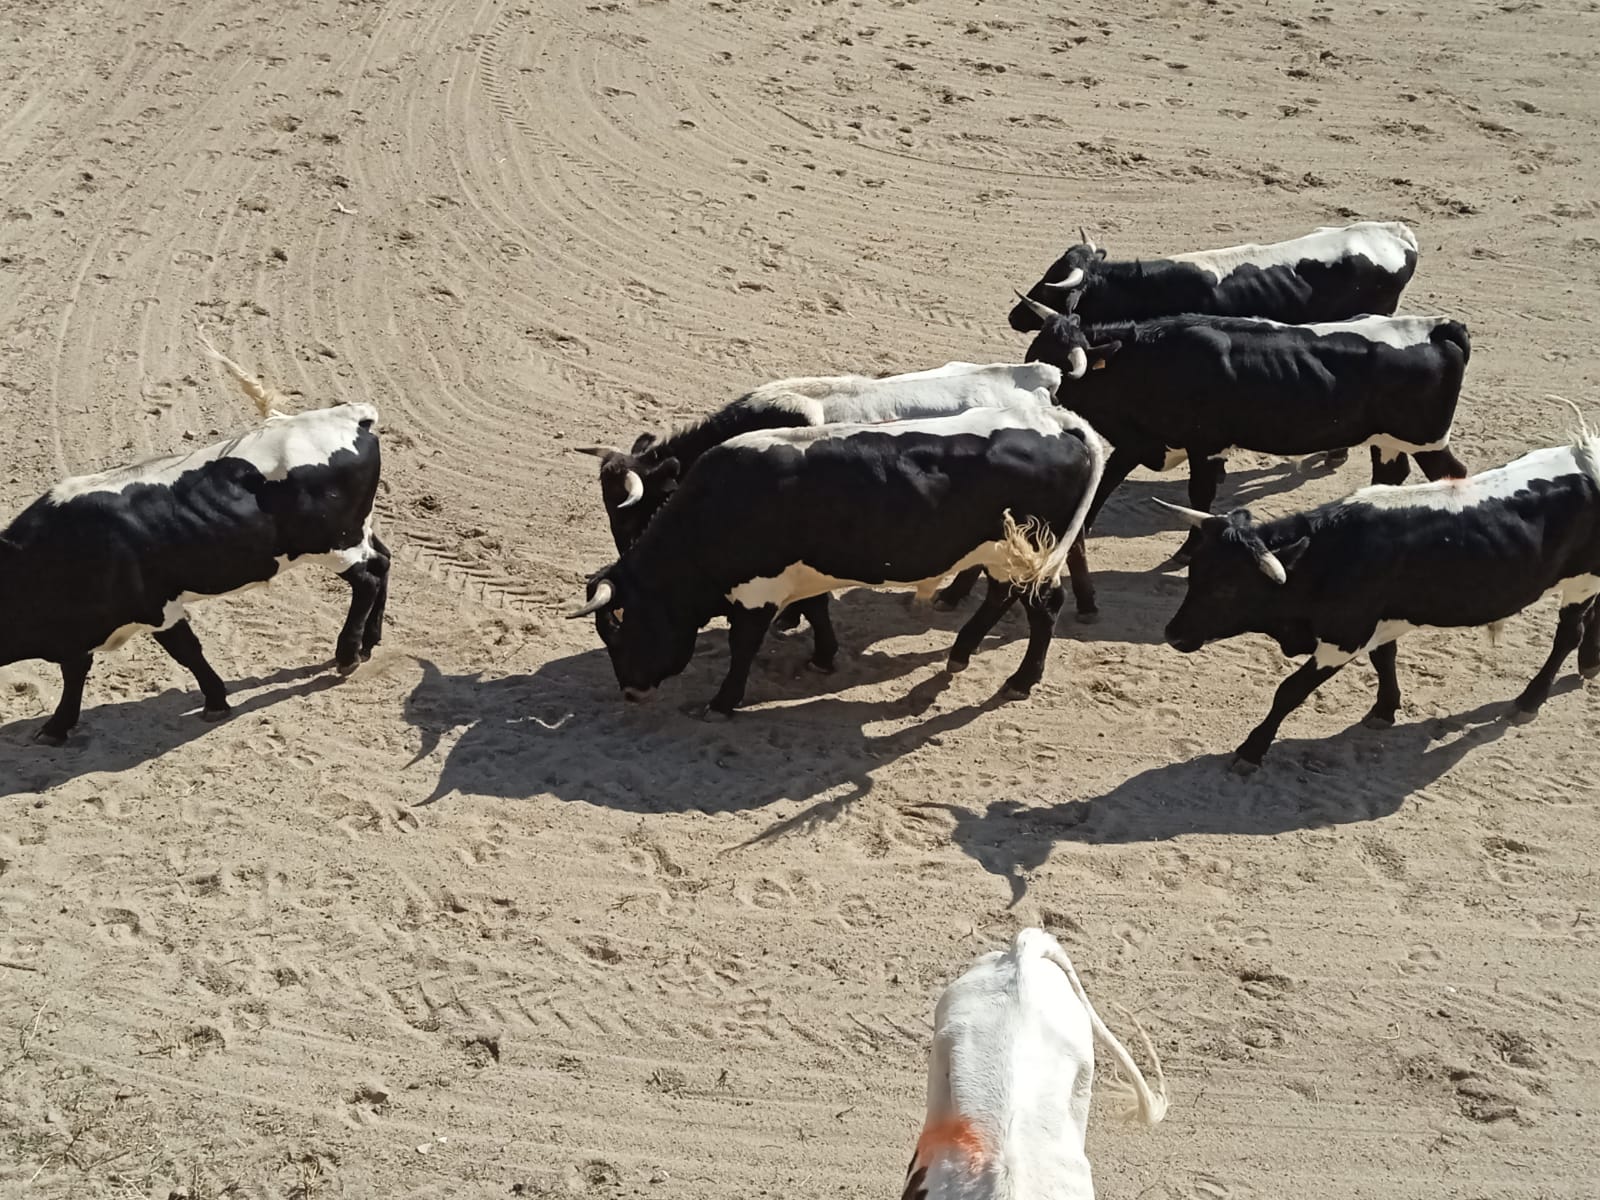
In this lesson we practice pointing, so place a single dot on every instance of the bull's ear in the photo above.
(1100, 254)
(1101, 353)
(643, 442)
(1291, 553)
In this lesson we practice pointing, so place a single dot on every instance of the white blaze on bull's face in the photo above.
(276, 447)
(1385, 244)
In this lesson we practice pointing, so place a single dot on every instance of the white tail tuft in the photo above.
(269, 402)
(1028, 550)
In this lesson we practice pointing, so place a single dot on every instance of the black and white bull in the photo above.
(1333, 274)
(100, 558)
(635, 484)
(1351, 577)
(1206, 385)
(767, 519)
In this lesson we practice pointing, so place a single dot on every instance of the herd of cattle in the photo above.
(804, 486)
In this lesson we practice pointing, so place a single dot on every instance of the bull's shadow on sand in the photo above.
(565, 730)
(1129, 513)
(126, 733)
(1305, 783)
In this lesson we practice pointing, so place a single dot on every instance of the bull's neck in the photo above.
(667, 558)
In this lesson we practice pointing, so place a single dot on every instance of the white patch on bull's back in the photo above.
(1453, 495)
(1383, 242)
(979, 422)
(830, 399)
(275, 447)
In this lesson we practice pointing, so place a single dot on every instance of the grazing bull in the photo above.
(770, 518)
(1205, 385)
(635, 485)
(100, 558)
(1010, 1078)
(1329, 275)
(1351, 577)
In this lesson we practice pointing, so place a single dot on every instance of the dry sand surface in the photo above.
(465, 925)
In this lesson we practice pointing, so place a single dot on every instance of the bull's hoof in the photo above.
(1014, 691)
(1590, 671)
(213, 715)
(44, 737)
(821, 668)
(955, 665)
(1092, 617)
(348, 667)
(366, 653)
(1243, 767)
(1521, 716)
(716, 716)
(1375, 721)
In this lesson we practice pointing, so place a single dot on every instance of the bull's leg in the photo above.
(746, 629)
(1388, 702)
(996, 600)
(1569, 632)
(1043, 608)
(372, 632)
(1440, 464)
(1205, 474)
(181, 642)
(788, 619)
(1589, 648)
(365, 584)
(954, 592)
(825, 645)
(73, 673)
(1389, 470)
(1291, 694)
(1083, 597)
(1118, 467)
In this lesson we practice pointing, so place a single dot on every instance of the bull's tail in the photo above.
(1585, 442)
(1149, 1104)
(269, 401)
(1455, 333)
(1055, 559)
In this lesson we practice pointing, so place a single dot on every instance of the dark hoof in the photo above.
(366, 653)
(1521, 716)
(821, 668)
(1092, 617)
(1374, 721)
(213, 715)
(1013, 691)
(716, 716)
(956, 665)
(1243, 766)
(45, 738)
(348, 668)
(1589, 672)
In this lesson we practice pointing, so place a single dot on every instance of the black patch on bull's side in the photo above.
(1299, 293)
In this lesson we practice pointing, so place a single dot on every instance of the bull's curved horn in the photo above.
(597, 451)
(1087, 241)
(1271, 567)
(602, 596)
(1042, 311)
(635, 487)
(1192, 515)
(1078, 359)
(1074, 279)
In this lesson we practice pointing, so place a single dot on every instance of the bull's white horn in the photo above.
(602, 597)
(1043, 311)
(635, 487)
(1192, 515)
(1093, 249)
(1079, 358)
(597, 451)
(1073, 279)
(1271, 567)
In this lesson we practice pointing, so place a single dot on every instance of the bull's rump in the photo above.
(878, 510)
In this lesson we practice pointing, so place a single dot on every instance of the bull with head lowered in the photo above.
(770, 518)
(1351, 577)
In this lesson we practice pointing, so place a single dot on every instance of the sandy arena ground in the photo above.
(463, 925)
